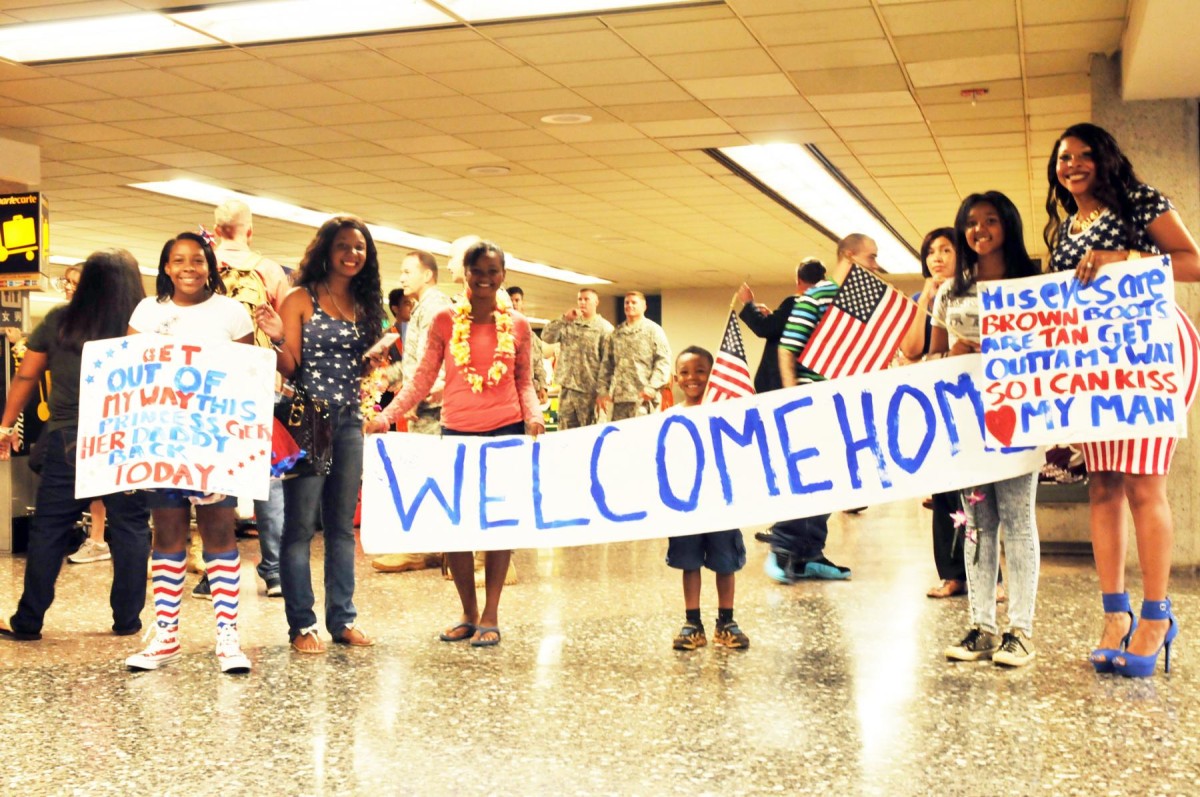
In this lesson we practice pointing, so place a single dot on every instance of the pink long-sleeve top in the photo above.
(511, 401)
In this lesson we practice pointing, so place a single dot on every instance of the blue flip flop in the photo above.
(486, 643)
(449, 636)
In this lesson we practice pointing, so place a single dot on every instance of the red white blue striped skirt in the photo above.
(1151, 456)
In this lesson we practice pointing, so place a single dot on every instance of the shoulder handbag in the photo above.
(308, 421)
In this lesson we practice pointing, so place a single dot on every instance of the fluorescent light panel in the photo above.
(95, 37)
(274, 209)
(493, 10)
(792, 172)
(279, 20)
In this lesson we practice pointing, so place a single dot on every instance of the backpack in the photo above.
(244, 284)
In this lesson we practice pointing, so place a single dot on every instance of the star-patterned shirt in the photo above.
(1108, 233)
(331, 357)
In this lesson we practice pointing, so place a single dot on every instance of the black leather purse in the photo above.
(309, 423)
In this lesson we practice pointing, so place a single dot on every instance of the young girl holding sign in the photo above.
(190, 305)
(990, 245)
(1112, 217)
(484, 346)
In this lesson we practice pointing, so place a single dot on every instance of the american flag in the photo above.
(862, 329)
(730, 377)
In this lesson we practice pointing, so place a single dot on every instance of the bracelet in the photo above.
(275, 344)
(7, 430)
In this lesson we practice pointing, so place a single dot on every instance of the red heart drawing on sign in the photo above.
(1001, 423)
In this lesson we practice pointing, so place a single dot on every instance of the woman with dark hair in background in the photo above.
(327, 323)
(109, 289)
(1111, 217)
(989, 242)
(483, 344)
(937, 266)
(191, 304)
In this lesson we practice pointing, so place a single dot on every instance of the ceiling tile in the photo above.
(772, 85)
(922, 18)
(560, 100)
(591, 45)
(721, 63)
(957, 70)
(359, 63)
(757, 106)
(818, 27)
(660, 111)
(689, 37)
(1047, 12)
(477, 81)
(1095, 37)
(614, 70)
(453, 56)
(383, 89)
(1057, 62)
(850, 81)
(965, 44)
(873, 52)
(633, 93)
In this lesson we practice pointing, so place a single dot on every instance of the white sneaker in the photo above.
(90, 551)
(229, 651)
(163, 650)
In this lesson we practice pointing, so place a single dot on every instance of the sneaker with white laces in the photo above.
(164, 649)
(90, 551)
(229, 651)
(1016, 649)
(977, 644)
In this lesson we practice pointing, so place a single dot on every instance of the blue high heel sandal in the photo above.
(1102, 658)
(1132, 666)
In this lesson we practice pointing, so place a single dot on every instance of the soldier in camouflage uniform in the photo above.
(517, 297)
(635, 365)
(580, 334)
(418, 277)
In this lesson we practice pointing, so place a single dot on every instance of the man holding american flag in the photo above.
(797, 548)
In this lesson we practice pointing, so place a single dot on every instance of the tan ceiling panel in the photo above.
(476, 123)
(137, 83)
(593, 45)
(949, 143)
(873, 52)
(818, 27)
(722, 63)
(963, 109)
(1080, 104)
(360, 117)
(169, 126)
(684, 127)
(507, 138)
(788, 121)
(83, 132)
(660, 111)
(883, 132)
(249, 121)
(1047, 12)
(957, 70)
(874, 99)
(109, 110)
(558, 99)
(390, 88)
(434, 107)
(359, 63)
(718, 88)
(704, 142)
(921, 18)
(1059, 84)
(971, 127)
(850, 81)
(689, 37)
(635, 19)
(303, 96)
(1057, 62)
(633, 93)
(453, 56)
(759, 106)
(32, 116)
(521, 78)
(873, 116)
(966, 44)
(210, 101)
(1095, 37)
(1053, 122)
(239, 74)
(612, 131)
(614, 70)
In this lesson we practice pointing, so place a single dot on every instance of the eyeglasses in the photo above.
(65, 284)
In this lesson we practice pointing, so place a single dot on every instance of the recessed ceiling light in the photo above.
(458, 214)
(493, 170)
(804, 181)
(485, 10)
(94, 37)
(274, 209)
(566, 118)
(280, 20)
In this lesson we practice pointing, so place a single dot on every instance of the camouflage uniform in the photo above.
(581, 343)
(539, 364)
(429, 415)
(635, 358)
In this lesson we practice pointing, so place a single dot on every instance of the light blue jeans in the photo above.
(268, 519)
(337, 495)
(1007, 503)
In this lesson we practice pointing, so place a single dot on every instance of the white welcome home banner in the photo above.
(853, 442)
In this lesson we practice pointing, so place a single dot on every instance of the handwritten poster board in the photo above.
(845, 443)
(1069, 363)
(165, 412)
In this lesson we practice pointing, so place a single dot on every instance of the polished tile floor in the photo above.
(844, 690)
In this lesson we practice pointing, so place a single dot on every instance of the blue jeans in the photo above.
(1008, 503)
(268, 519)
(802, 539)
(58, 510)
(337, 495)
